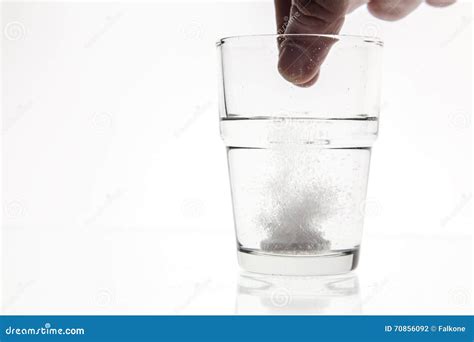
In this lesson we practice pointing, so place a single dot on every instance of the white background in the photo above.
(115, 195)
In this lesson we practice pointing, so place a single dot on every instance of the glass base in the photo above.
(338, 262)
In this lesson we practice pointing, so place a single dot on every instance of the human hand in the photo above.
(301, 57)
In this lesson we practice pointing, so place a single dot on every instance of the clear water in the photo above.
(298, 184)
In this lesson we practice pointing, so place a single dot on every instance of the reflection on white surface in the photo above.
(287, 295)
(138, 270)
(117, 201)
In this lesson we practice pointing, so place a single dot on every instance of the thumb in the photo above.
(301, 56)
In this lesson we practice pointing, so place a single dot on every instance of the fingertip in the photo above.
(295, 66)
(440, 3)
(310, 83)
(382, 15)
(390, 10)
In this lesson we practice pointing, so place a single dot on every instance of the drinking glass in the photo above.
(298, 156)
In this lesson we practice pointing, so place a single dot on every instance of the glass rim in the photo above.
(344, 37)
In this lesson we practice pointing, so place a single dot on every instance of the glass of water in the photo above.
(299, 156)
